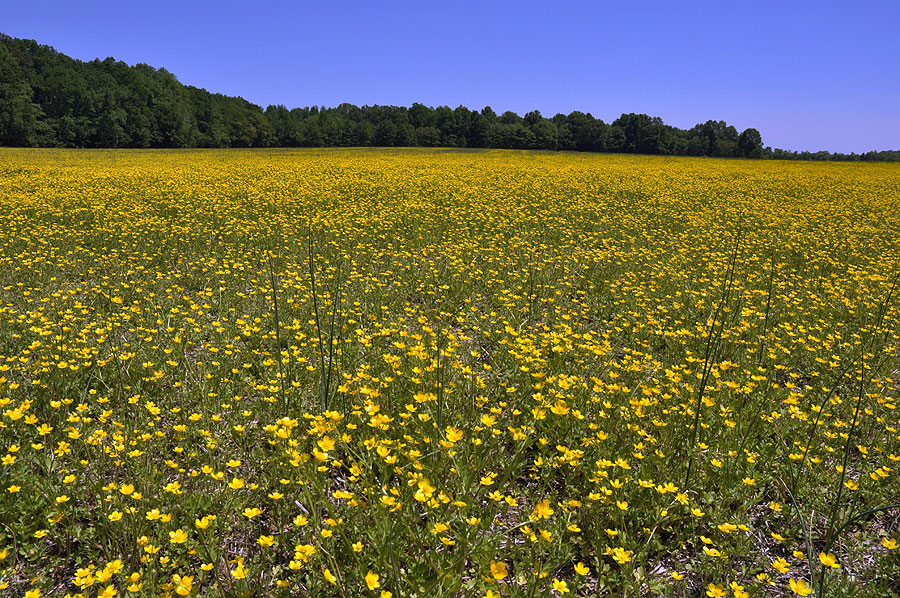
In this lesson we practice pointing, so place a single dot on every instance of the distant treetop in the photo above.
(48, 99)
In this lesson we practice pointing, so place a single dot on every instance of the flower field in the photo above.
(447, 373)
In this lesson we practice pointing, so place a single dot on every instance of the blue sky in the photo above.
(808, 75)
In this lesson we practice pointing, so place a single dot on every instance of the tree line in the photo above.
(48, 99)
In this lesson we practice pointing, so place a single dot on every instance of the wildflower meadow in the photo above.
(433, 373)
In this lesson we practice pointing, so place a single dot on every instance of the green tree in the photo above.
(546, 134)
(750, 144)
(587, 133)
(721, 138)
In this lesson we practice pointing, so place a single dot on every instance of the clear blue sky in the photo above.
(808, 75)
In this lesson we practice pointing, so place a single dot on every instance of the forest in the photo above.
(48, 99)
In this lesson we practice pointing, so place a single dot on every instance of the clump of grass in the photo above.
(713, 341)
(834, 523)
(325, 371)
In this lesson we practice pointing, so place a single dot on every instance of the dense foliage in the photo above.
(437, 373)
(48, 99)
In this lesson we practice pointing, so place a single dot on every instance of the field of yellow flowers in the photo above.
(447, 373)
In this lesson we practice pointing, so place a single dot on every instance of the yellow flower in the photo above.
(266, 541)
(250, 513)
(890, 543)
(727, 528)
(178, 536)
(716, 591)
(111, 569)
(542, 510)
(205, 522)
(581, 568)
(183, 585)
(829, 560)
(739, 591)
(239, 572)
(498, 570)
(372, 580)
(115, 516)
(329, 577)
(799, 587)
(780, 565)
(621, 556)
(453, 434)
(560, 586)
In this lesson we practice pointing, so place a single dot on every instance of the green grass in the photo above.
(447, 374)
